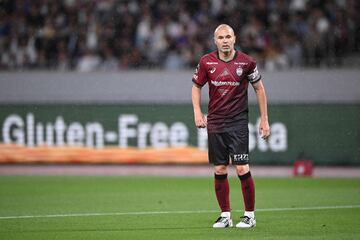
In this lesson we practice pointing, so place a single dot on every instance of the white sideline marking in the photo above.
(173, 212)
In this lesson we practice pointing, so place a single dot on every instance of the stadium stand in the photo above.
(110, 35)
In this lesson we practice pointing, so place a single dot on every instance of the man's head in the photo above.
(224, 38)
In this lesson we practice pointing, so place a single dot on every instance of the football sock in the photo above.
(249, 214)
(248, 191)
(222, 191)
(226, 214)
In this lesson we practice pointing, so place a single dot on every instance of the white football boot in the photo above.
(223, 221)
(246, 222)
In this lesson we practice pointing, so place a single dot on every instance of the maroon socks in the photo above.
(248, 190)
(222, 191)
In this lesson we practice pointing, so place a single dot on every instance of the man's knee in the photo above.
(220, 169)
(242, 169)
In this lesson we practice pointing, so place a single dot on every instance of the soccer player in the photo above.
(228, 73)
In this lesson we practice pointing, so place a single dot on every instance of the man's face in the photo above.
(224, 40)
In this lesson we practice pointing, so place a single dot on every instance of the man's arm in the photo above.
(264, 128)
(199, 118)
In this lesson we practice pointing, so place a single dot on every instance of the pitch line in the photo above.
(173, 212)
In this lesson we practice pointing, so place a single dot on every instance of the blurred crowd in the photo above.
(110, 35)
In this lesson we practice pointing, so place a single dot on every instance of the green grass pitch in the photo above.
(99, 207)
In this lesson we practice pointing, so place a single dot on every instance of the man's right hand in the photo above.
(200, 120)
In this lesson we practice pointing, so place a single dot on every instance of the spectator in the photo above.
(280, 34)
(174, 60)
(292, 50)
(88, 62)
(109, 62)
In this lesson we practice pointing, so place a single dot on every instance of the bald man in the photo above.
(228, 73)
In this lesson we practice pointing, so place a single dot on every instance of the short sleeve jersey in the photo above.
(228, 84)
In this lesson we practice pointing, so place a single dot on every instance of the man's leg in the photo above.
(222, 189)
(248, 191)
(222, 192)
(219, 157)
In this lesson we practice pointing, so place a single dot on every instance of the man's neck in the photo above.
(228, 56)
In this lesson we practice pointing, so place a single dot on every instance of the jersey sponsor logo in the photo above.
(195, 76)
(211, 63)
(240, 63)
(212, 70)
(240, 157)
(224, 83)
(239, 71)
(197, 68)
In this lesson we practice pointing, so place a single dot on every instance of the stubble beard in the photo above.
(227, 52)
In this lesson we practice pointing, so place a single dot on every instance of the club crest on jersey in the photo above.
(239, 71)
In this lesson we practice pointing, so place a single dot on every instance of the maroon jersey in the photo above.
(228, 84)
